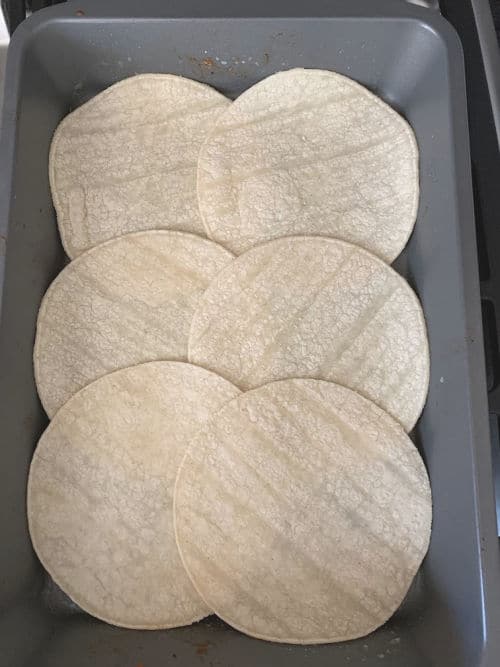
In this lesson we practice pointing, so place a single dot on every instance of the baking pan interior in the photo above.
(414, 66)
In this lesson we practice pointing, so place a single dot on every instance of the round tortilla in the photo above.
(126, 160)
(127, 301)
(319, 308)
(310, 152)
(302, 512)
(100, 492)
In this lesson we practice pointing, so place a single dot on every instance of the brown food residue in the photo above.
(202, 648)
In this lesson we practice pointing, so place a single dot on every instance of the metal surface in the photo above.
(490, 55)
(412, 58)
(482, 62)
(14, 11)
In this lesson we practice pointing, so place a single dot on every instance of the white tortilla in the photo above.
(310, 152)
(100, 492)
(126, 160)
(319, 308)
(302, 513)
(127, 301)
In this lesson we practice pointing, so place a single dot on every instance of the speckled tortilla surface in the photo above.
(126, 160)
(310, 152)
(127, 301)
(302, 512)
(318, 308)
(100, 492)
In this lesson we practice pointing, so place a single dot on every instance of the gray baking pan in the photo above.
(412, 58)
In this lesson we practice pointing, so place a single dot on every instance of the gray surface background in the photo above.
(411, 58)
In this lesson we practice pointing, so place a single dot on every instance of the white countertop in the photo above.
(4, 42)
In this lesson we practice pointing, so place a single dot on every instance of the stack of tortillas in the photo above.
(230, 364)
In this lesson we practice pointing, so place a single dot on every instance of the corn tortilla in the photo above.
(319, 308)
(309, 152)
(126, 160)
(302, 512)
(100, 492)
(127, 301)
